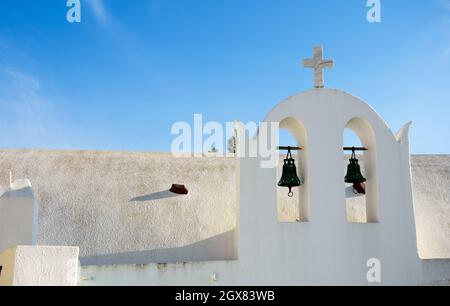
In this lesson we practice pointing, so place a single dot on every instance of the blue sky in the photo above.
(130, 69)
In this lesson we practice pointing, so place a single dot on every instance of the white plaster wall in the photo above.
(112, 203)
(431, 176)
(62, 210)
(39, 266)
(18, 215)
(436, 272)
(213, 273)
(223, 273)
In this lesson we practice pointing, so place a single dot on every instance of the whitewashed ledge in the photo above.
(39, 266)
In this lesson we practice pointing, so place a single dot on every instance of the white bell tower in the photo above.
(323, 247)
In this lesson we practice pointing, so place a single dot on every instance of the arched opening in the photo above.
(361, 203)
(355, 202)
(295, 208)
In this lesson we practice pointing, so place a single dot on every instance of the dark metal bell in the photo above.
(354, 175)
(289, 177)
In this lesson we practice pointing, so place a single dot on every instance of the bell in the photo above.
(354, 175)
(289, 177)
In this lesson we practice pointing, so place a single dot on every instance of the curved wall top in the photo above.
(337, 104)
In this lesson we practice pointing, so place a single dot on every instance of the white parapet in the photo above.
(19, 211)
(39, 266)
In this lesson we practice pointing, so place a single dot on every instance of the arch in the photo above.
(363, 129)
(301, 198)
(324, 114)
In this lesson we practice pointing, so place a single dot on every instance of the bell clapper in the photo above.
(359, 188)
(290, 194)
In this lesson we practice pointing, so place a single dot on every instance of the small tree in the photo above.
(232, 145)
(213, 149)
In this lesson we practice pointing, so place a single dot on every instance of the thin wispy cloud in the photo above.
(113, 27)
(99, 10)
(24, 116)
(28, 118)
(20, 92)
(444, 4)
(445, 38)
(446, 56)
(104, 18)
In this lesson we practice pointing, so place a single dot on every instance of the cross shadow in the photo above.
(155, 196)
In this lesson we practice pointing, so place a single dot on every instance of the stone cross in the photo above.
(318, 63)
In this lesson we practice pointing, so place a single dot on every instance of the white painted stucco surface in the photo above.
(431, 189)
(39, 266)
(62, 210)
(117, 203)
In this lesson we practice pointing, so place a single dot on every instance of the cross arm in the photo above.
(308, 63)
(326, 64)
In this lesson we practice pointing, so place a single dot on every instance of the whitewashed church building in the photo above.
(108, 218)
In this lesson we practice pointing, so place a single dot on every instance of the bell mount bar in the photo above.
(290, 148)
(345, 148)
(356, 149)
